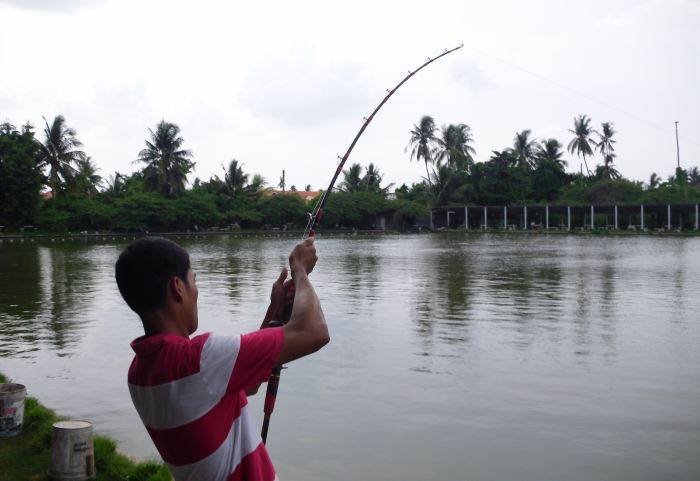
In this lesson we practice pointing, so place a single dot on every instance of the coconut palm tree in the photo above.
(694, 176)
(167, 164)
(423, 142)
(234, 177)
(605, 147)
(608, 170)
(454, 148)
(550, 149)
(373, 179)
(86, 180)
(654, 180)
(605, 139)
(352, 179)
(115, 184)
(581, 143)
(59, 152)
(256, 185)
(524, 149)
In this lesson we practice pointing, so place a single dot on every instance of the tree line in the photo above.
(533, 171)
(157, 197)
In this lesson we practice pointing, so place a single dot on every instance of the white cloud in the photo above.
(612, 21)
(467, 72)
(298, 89)
(55, 5)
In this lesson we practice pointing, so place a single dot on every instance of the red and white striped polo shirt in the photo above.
(190, 394)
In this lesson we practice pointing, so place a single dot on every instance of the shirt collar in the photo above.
(146, 345)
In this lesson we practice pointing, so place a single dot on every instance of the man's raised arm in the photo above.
(306, 332)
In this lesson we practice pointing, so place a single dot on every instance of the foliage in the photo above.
(454, 147)
(422, 142)
(407, 212)
(581, 143)
(277, 210)
(167, 164)
(58, 152)
(353, 210)
(20, 179)
(143, 212)
(155, 199)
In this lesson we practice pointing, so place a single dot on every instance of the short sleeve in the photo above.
(258, 353)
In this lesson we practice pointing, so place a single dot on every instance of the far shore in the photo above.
(273, 233)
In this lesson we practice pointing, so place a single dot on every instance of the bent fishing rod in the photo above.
(314, 217)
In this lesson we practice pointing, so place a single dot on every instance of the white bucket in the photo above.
(11, 408)
(72, 451)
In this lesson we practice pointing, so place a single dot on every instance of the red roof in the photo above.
(306, 195)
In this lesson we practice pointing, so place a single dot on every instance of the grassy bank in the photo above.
(26, 457)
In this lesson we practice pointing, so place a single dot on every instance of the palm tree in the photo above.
(115, 184)
(654, 180)
(352, 179)
(605, 147)
(550, 149)
(524, 149)
(283, 182)
(234, 177)
(581, 143)
(167, 164)
(454, 147)
(423, 141)
(605, 141)
(607, 170)
(373, 179)
(86, 180)
(694, 176)
(58, 152)
(256, 186)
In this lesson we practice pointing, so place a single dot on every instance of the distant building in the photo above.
(305, 195)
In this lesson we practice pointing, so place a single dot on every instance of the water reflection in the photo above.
(44, 295)
(20, 296)
(441, 303)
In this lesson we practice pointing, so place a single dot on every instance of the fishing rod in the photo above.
(314, 217)
(317, 213)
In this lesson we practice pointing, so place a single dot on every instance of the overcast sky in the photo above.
(285, 85)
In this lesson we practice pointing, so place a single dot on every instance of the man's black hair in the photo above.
(144, 269)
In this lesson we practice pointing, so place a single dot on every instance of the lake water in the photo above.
(453, 356)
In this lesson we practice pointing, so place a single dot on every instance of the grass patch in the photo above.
(26, 457)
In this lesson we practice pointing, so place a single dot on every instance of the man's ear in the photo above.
(176, 288)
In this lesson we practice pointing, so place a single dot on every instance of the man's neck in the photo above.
(163, 322)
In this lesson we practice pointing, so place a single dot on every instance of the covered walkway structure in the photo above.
(644, 217)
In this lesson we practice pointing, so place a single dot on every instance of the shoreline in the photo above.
(27, 455)
(113, 236)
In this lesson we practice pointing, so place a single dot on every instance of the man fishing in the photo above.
(191, 392)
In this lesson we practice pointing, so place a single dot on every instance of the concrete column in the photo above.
(505, 217)
(568, 217)
(486, 223)
(546, 216)
(592, 218)
(668, 217)
(466, 218)
(525, 226)
(615, 216)
(642, 216)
